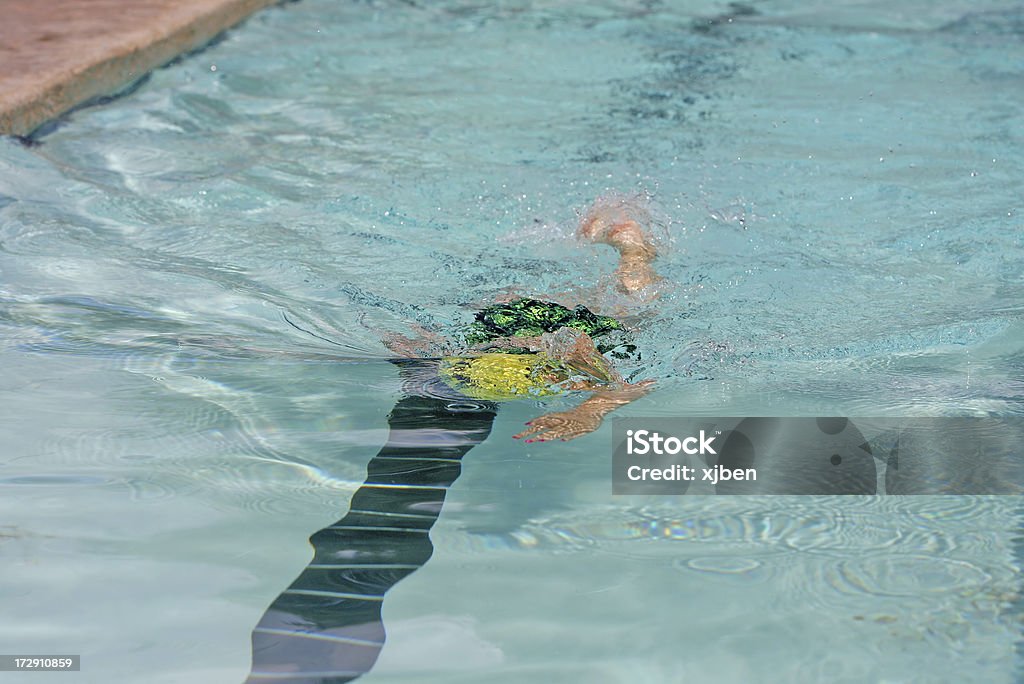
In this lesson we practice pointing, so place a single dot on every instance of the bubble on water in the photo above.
(540, 231)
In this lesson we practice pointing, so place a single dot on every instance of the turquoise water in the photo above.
(194, 280)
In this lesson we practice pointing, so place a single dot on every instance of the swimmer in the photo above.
(327, 625)
(529, 348)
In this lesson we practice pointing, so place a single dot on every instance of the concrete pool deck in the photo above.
(58, 54)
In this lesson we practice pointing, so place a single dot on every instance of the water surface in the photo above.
(194, 280)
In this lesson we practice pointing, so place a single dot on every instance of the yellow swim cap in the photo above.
(500, 377)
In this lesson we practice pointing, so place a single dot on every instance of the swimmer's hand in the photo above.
(586, 417)
(564, 425)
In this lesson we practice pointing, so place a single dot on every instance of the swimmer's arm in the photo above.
(426, 344)
(586, 417)
(534, 344)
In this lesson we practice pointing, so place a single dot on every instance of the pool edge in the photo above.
(74, 77)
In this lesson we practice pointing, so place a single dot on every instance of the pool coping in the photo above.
(60, 54)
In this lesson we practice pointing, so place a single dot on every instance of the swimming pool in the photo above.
(195, 279)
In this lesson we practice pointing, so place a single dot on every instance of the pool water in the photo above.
(195, 279)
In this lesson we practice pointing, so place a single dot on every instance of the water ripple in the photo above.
(906, 575)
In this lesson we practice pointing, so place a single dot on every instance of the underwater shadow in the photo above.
(326, 627)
